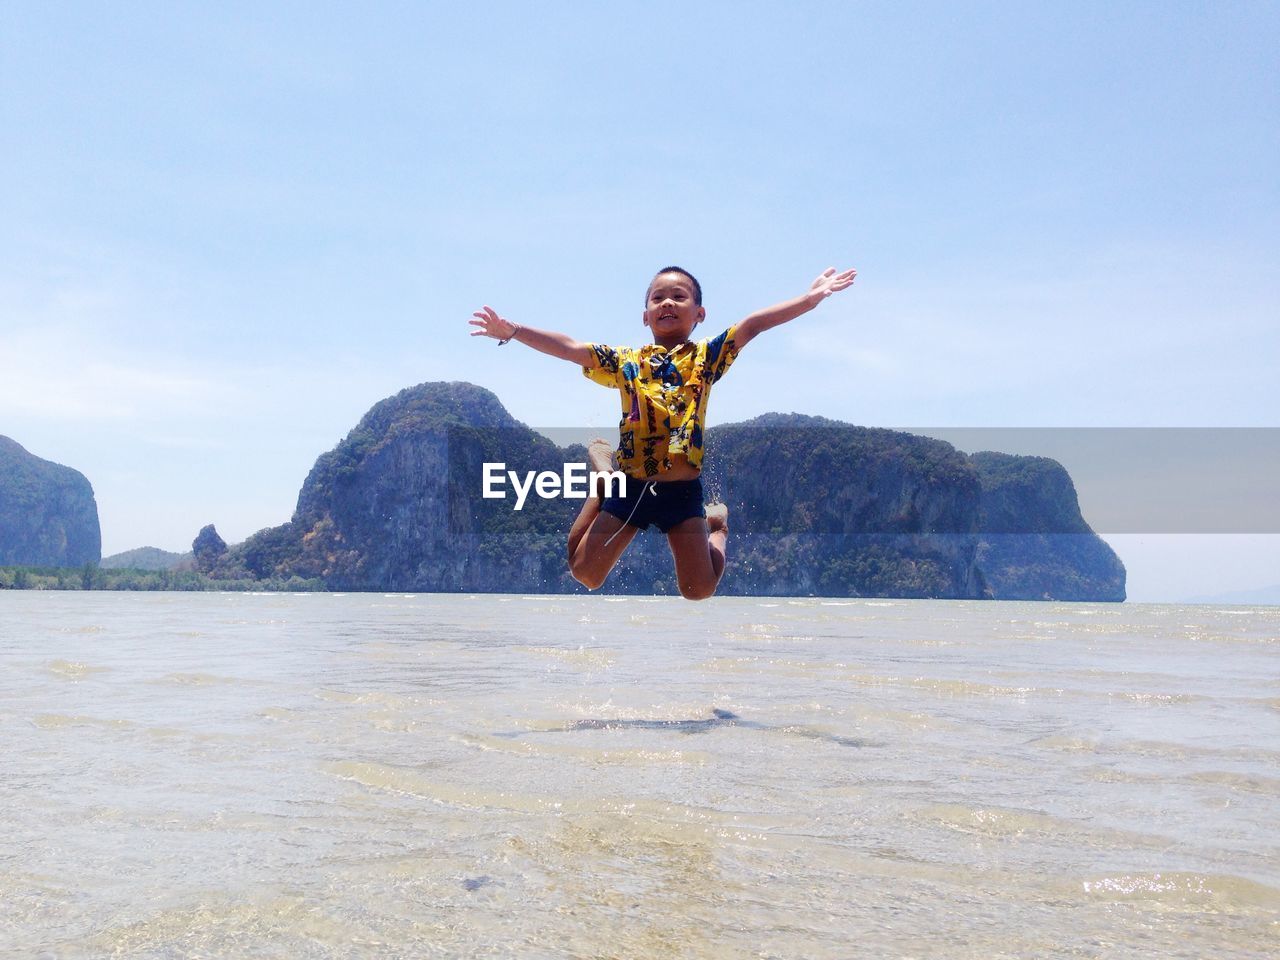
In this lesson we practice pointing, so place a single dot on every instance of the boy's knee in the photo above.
(591, 579)
(692, 591)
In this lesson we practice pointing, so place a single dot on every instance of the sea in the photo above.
(400, 776)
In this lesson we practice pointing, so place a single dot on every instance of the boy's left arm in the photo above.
(828, 282)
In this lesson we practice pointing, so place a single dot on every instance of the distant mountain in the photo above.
(48, 516)
(146, 558)
(816, 507)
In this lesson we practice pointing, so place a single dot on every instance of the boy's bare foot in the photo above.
(717, 536)
(600, 460)
(717, 518)
(600, 455)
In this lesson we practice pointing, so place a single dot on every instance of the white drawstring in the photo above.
(650, 487)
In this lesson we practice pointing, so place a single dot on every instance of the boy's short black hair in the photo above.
(697, 287)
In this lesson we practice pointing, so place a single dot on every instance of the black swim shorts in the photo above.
(662, 503)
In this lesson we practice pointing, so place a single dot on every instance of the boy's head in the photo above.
(673, 305)
(697, 287)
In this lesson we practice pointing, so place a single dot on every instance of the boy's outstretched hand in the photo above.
(492, 325)
(489, 324)
(830, 282)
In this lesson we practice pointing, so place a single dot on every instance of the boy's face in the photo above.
(671, 312)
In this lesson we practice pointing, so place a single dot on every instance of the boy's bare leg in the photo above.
(698, 547)
(717, 536)
(596, 539)
(599, 460)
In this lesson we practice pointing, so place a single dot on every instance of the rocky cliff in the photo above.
(396, 505)
(816, 507)
(48, 516)
(837, 510)
(1035, 543)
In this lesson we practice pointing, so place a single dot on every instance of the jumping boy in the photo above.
(664, 388)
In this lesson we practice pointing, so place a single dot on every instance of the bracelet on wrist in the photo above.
(503, 343)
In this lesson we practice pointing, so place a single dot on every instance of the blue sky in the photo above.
(227, 231)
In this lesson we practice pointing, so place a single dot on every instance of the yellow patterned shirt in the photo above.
(664, 398)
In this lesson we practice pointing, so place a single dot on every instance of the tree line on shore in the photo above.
(93, 577)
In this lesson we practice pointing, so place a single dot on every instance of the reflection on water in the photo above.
(718, 718)
(422, 776)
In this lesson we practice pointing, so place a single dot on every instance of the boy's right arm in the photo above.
(544, 341)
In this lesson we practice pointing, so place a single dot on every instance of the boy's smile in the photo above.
(672, 310)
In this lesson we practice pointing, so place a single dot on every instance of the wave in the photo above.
(1198, 891)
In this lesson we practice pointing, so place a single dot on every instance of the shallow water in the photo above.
(372, 776)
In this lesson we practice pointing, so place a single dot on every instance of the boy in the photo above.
(664, 389)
